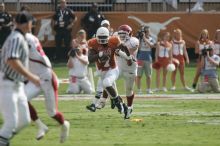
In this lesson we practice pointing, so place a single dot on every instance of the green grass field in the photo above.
(165, 123)
(62, 72)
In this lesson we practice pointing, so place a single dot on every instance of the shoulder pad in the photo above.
(92, 43)
(133, 42)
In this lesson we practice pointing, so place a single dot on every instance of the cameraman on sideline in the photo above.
(209, 64)
(144, 58)
(77, 64)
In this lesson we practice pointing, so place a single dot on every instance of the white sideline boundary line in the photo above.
(144, 96)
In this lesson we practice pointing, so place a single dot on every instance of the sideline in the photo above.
(144, 96)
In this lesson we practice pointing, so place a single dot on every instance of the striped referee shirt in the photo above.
(15, 47)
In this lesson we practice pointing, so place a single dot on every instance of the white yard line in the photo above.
(146, 96)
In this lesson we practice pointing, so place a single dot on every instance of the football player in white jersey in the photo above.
(41, 66)
(128, 67)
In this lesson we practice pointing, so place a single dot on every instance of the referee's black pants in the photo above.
(60, 53)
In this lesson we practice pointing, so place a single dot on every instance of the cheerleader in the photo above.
(179, 52)
(163, 57)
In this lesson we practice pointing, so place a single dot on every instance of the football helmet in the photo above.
(124, 32)
(102, 35)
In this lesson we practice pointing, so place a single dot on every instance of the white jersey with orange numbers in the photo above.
(178, 47)
(217, 48)
(38, 61)
(163, 51)
(131, 43)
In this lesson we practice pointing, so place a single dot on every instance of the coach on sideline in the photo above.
(14, 64)
(63, 21)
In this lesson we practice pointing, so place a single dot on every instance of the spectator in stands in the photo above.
(63, 21)
(180, 53)
(77, 64)
(203, 43)
(92, 20)
(217, 42)
(163, 57)
(144, 58)
(209, 77)
(5, 24)
(80, 42)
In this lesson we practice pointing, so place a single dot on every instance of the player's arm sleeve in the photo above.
(13, 51)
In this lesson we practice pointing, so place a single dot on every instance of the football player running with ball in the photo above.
(102, 50)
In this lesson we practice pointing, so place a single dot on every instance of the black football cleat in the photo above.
(91, 107)
(118, 103)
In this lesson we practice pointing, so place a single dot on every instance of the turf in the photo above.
(62, 72)
(165, 123)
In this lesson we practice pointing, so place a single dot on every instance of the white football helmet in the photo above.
(102, 35)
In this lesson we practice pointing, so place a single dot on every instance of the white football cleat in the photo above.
(65, 128)
(41, 132)
(128, 114)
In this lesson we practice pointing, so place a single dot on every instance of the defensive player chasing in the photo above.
(41, 66)
(102, 51)
(128, 67)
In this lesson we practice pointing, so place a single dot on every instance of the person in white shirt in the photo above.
(180, 53)
(78, 64)
(217, 42)
(144, 58)
(209, 76)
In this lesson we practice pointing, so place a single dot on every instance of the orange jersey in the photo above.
(113, 43)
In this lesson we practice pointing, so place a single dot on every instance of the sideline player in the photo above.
(102, 51)
(128, 70)
(40, 65)
(14, 64)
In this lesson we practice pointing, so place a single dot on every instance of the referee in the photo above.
(14, 63)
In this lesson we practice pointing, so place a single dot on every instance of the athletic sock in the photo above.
(130, 100)
(59, 118)
(33, 112)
